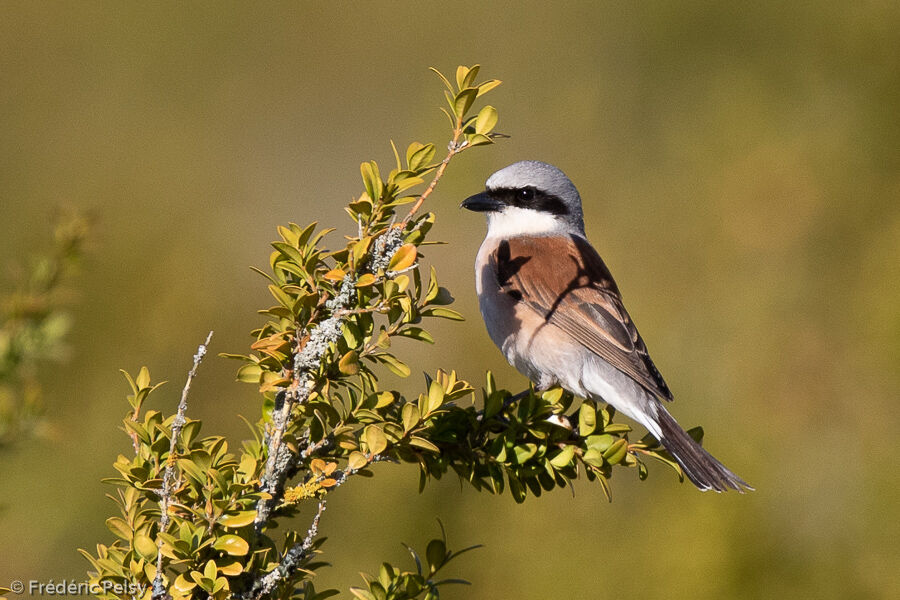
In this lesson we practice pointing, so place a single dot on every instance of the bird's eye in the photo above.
(525, 194)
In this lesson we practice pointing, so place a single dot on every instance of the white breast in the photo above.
(539, 350)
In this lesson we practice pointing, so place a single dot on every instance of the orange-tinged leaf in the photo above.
(334, 275)
(365, 281)
(349, 363)
(233, 569)
(403, 258)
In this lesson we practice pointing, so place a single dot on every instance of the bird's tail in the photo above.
(700, 466)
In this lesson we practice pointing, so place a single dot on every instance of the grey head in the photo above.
(529, 198)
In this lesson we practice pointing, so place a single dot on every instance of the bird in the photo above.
(553, 308)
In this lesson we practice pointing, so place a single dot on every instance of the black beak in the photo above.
(482, 202)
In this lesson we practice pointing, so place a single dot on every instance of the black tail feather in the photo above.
(698, 465)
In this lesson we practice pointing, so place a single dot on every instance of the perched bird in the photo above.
(551, 305)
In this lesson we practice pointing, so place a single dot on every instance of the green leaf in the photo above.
(593, 457)
(600, 442)
(143, 378)
(416, 333)
(461, 72)
(443, 313)
(249, 373)
(553, 395)
(587, 419)
(410, 415)
(486, 120)
(144, 546)
(523, 452)
(462, 102)
(289, 251)
(395, 365)
(357, 460)
(239, 519)
(120, 528)
(209, 571)
(435, 397)
(183, 585)
(420, 442)
(371, 180)
(616, 452)
(375, 439)
(484, 88)
(436, 554)
(419, 156)
(564, 457)
(232, 545)
(478, 139)
(444, 79)
(386, 399)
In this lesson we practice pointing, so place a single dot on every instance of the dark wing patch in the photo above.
(573, 290)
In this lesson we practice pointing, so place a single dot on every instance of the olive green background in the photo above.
(740, 169)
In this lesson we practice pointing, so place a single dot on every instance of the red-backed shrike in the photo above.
(551, 305)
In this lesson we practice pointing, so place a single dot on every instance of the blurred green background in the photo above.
(741, 176)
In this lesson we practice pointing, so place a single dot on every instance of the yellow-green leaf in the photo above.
(411, 416)
(183, 585)
(462, 102)
(419, 156)
(357, 460)
(385, 399)
(232, 544)
(487, 86)
(435, 397)
(615, 453)
(143, 378)
(119, 527)
(144, 545)
(375, 439)
(443, 313)
(421, 442)
(240, 519)
(209, 571)
(249, 373)
(564, 458)
(486, 120)
(394, 364)
(371, 180)
(587, 419)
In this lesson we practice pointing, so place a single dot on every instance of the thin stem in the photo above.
(453, 149)
(165, 500)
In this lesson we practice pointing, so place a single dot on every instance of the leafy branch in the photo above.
(33, 326)
(197, 520)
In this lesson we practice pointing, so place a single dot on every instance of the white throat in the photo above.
(514, 221)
